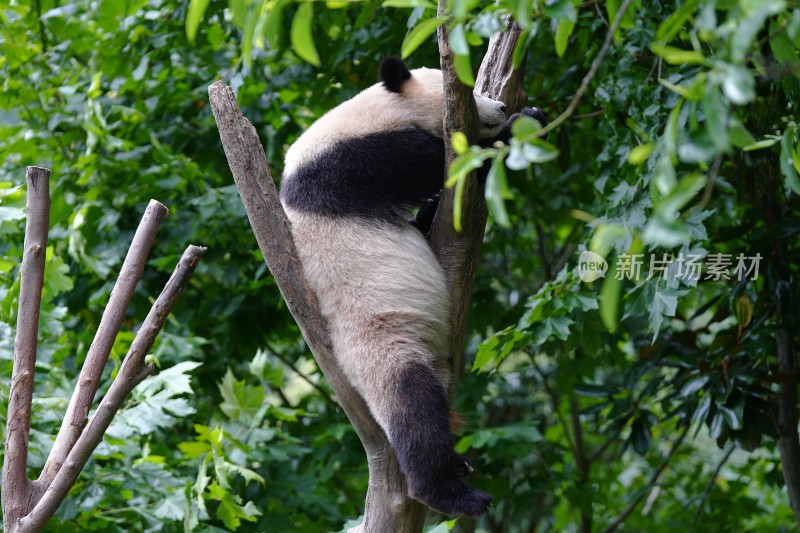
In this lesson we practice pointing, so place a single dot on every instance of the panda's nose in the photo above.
(503, 108)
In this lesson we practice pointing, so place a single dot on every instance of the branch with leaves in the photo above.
(27, 504)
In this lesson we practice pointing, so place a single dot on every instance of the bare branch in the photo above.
(710, 485)
(132, 372)
(293, 367)
(92, 370)
(601, 55)
(650, 482)
(17, 488)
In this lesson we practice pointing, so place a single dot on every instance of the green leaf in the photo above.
(677, 56)
(787, 161)
(664, 232)
(461, 166)
(640, 435)
(56, 275)
(640, 154)
(525, 127)
(521, 49)
(463, 65)
(409, 3)
(693, 92)
(194, 15)
(783, 49)
(458, 40)
(763, 143)
(249, 31)
(563, 32)
(683, 192)
(239, 400)
(273, 25)
(740, 136)
(738, 84)
(716, 112)
(561, 10)
(693, 386)
(460, 143)
(419, 34)
(670, 27)
(729, 415)
(609, 302)
(458, 200)
(538, 151)
(497, 191)
(664, 177)
(612, 7)
(301, 34)
(671, 130)
(717, 426)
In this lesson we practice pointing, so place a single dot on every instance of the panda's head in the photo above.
(421, 92)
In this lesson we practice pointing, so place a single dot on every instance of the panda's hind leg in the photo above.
(418, 427)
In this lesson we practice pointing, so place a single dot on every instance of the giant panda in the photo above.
(347, 184)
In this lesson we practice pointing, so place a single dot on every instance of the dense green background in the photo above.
(686, 140)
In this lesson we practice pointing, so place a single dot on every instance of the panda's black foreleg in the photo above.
(424, 219)
(419, 431)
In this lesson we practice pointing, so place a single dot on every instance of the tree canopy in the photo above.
(659, 396)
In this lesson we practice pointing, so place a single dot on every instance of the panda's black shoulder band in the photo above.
(394, 73)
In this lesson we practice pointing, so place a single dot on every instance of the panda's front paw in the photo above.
(533, 112)
(424, 219)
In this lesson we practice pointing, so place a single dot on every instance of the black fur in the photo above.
(505, 133)
(420, 435)
(369, 176)
(394, 73)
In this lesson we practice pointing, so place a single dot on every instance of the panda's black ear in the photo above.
(394, 73)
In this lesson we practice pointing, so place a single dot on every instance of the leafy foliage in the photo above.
(590, 405)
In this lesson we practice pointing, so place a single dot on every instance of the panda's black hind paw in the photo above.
(455, 498)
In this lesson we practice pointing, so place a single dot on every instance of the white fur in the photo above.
(363, 274)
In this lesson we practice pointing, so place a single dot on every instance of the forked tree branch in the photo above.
(92, 370)
(27, 506)
(17, 488)
(132, 372)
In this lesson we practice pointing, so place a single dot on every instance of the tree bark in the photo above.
(458, 251)
(18, 490)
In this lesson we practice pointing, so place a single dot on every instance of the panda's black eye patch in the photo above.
(394, 73)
